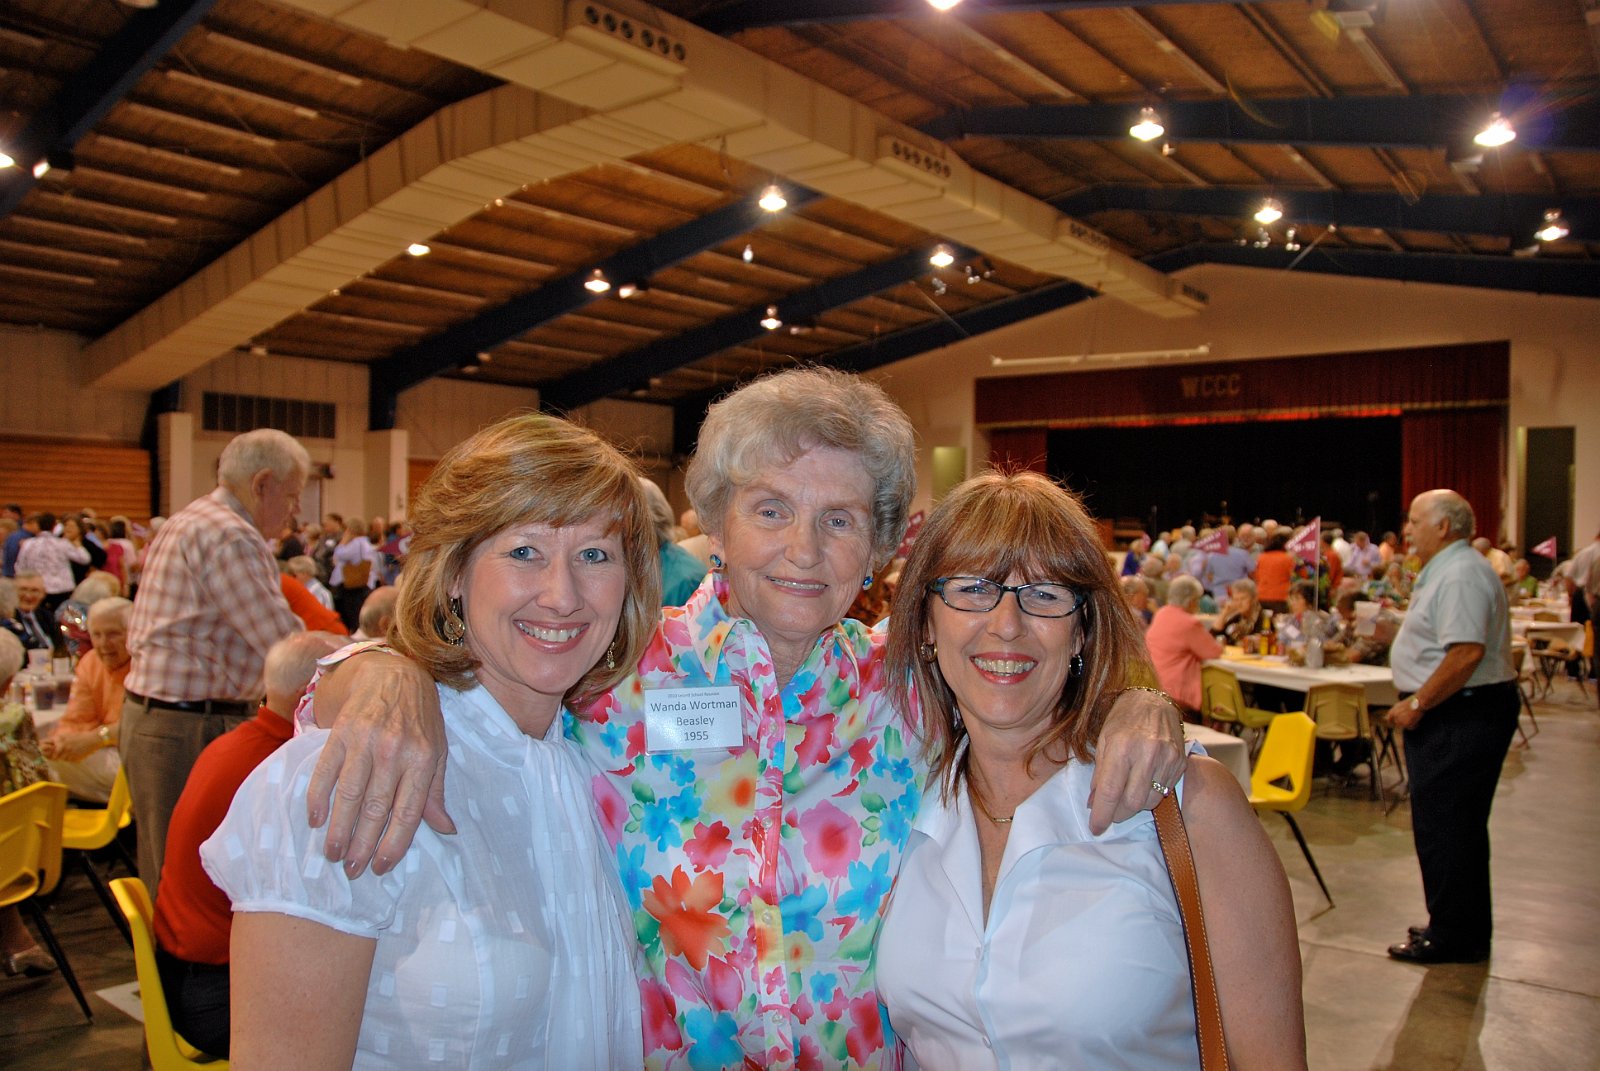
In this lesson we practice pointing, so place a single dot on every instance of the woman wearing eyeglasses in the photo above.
(1015, 937)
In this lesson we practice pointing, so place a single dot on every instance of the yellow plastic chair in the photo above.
(168, 1051)
(88, 829)
(1222, 700)
(1341, 714)
(30, 863)
(1286, 757)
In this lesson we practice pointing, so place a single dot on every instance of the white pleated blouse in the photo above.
(506, 945)
(1081, 963)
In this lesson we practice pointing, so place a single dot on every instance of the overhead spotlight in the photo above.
(938, 287)
(1167, 148)
(749, 253)
(1149, 127)
(1290, 242)
(1263, 239)
(973, 275)
(771, 321)
(772, 199)
(1499, 132)
(6, 161)
(419, 249)
(258, 350)
(59, 160)
(627, 290)
(485, 356)
(1554, 227)
(597, 283)
(943, 5)
(941, 257)
(1270, 211)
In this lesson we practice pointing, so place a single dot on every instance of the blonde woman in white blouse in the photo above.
(1015, 937)
(531, 582)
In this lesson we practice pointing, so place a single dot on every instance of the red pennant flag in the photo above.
(1215, 543)
(912, 528)
(1306, 544)
(1546, 549)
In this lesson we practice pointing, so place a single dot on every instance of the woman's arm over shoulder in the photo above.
(1250, 922)
(382, 772)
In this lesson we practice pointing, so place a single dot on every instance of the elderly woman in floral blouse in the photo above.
(753, 774)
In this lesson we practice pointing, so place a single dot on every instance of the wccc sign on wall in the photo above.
(1222, 385)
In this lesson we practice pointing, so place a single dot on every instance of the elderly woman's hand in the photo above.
(1140, 745)
(383, 766)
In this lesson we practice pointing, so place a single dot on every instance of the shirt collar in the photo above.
(479, 717)
(711, 626)
(1455, 546)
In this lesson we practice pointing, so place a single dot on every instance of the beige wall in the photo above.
(1555, 375)
(1555, 352)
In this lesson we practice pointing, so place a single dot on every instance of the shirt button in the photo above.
(986, 1043)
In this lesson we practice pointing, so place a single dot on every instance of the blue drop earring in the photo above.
(867, 583)
(716, 562)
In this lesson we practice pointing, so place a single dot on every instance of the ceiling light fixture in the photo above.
(627, 290)
(941, 257)
(749, 253)
(943, 5)
(1554, 227)
(771, 321)
(6, 161)
(1499, 132)
(419, 249)
(772, 199)
(1270, 211)
(485, 356)
(597, 283)
(1149, 127)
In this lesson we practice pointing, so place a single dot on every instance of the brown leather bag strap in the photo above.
(1180, 868)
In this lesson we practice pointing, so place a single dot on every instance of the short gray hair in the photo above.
(660, 509)
(111, 606)
(1455, 510)
(11, 656)
(96, 587)
(1184, 591)
(1244, 584)
(8, 597)
(293, 659)
(301, 565)
(1134, 585)
(264, 448)
(777, 418)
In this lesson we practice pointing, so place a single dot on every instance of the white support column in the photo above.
(175, 460)
(386, 473)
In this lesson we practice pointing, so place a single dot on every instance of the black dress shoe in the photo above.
(1420, 948)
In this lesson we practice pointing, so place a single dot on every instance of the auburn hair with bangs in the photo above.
(527, 469)
(995, 525)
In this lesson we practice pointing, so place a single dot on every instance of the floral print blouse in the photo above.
(757, 873)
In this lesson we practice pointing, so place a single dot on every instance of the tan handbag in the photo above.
(1180, 868)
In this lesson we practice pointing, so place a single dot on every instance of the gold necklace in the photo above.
(978, 803)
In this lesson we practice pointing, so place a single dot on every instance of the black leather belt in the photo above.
(225, 707)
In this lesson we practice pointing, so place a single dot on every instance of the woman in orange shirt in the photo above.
(1274, 571)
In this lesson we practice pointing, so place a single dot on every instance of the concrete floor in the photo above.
(1534, 1007)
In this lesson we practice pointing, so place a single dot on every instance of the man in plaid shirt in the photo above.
(209, 609)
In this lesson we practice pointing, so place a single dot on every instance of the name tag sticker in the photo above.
(691, 719)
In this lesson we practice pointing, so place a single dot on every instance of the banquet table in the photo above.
(1231, 751)
(1377, 681)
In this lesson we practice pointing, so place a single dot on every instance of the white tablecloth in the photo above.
(1228, 750)
(1378, 681)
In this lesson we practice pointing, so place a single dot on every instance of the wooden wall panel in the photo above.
(64, 477)
(417, 472)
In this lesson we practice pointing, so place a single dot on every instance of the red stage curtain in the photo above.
(1462, 449)
(1018, 448)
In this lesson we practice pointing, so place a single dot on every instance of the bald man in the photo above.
(1452, 666)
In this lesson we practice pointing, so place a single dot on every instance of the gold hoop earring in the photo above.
(453, 628)
(927, 652)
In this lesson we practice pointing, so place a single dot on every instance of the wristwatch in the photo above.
(104, 732)
(1416, 704)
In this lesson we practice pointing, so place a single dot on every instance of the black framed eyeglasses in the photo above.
(979, 595)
